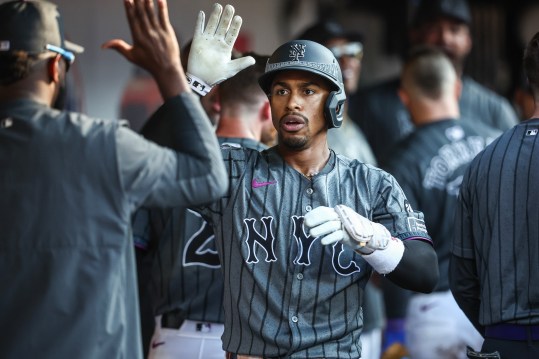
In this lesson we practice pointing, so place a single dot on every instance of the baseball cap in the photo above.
(34, 26)
(429, 10)
(325, 30)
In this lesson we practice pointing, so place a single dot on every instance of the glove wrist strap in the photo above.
(386, 260)
(198, 85)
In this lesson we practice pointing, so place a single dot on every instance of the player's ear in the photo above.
(458, 88)
(53, 68)
(403, 95)
(265, 110)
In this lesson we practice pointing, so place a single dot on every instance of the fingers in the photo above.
(150, 13)
(162, 12)
(320, 215)
(243, 62)
(235, 66)
(119, 45)
(141, 19)
(333, 238)
(199, 25)
(213, 21)
(325, 228)
(225, 21)
(233, 31)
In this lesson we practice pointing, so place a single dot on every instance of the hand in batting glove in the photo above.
(345, 225)
(211, 50)
(372, 240)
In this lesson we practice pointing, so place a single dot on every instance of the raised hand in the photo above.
(210, 58)
(155, 46)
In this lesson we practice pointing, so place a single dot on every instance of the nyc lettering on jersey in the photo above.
(200, 248)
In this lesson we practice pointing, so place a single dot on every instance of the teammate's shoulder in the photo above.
(472, 88)
(236, 152)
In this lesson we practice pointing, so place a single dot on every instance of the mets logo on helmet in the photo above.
(297, 51)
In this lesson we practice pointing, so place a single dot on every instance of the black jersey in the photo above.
(497, 226)
(429, 165)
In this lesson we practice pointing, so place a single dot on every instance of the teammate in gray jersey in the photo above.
(186, 287)
(70, 184)
(286, 294)
(493, 270)
(429, 164)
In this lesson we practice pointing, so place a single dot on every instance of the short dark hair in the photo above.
(243, 87)
(15, 66)
(530, 63)
(428, 70)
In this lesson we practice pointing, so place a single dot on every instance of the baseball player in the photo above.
(493, 270)
(186, 286)
(429, 165)
(70, 184)
(293, 277)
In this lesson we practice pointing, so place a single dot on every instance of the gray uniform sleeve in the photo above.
(189, 172)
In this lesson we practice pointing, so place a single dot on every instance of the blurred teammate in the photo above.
(70, 184)
(429, 164)
(493, 265)
(444, 24)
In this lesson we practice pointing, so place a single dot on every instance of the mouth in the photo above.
(292, 123)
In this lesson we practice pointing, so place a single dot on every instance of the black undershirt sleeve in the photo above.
(418, 268)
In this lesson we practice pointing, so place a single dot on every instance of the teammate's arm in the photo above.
(465, 286)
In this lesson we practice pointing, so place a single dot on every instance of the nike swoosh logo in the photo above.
(155, 345)
(257, 184)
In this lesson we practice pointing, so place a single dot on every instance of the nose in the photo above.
(294, 102)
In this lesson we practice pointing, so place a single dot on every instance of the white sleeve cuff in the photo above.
(386, 260)
(198, 85)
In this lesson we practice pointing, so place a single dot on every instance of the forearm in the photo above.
(464, 284)
(191, 135)
(418, 268)
(192, 173)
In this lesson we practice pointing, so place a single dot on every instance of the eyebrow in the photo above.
(303, 84)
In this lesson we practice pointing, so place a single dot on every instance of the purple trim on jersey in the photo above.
(140, 243)
(418, 238)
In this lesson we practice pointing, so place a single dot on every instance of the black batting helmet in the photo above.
(310, 56)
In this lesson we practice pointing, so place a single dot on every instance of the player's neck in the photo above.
(234, 128)
(309, 161)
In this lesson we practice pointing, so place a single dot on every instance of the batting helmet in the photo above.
(310, 56)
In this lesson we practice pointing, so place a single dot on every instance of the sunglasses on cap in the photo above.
(352, 49)
(68, 56)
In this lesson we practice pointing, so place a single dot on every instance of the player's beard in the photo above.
(294, 143)
(456, 60)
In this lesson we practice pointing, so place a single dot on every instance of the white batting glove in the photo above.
(367, 236)
(210, 56)
(372, 240)
(345, 225)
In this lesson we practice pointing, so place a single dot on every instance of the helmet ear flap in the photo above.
(334, 108)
